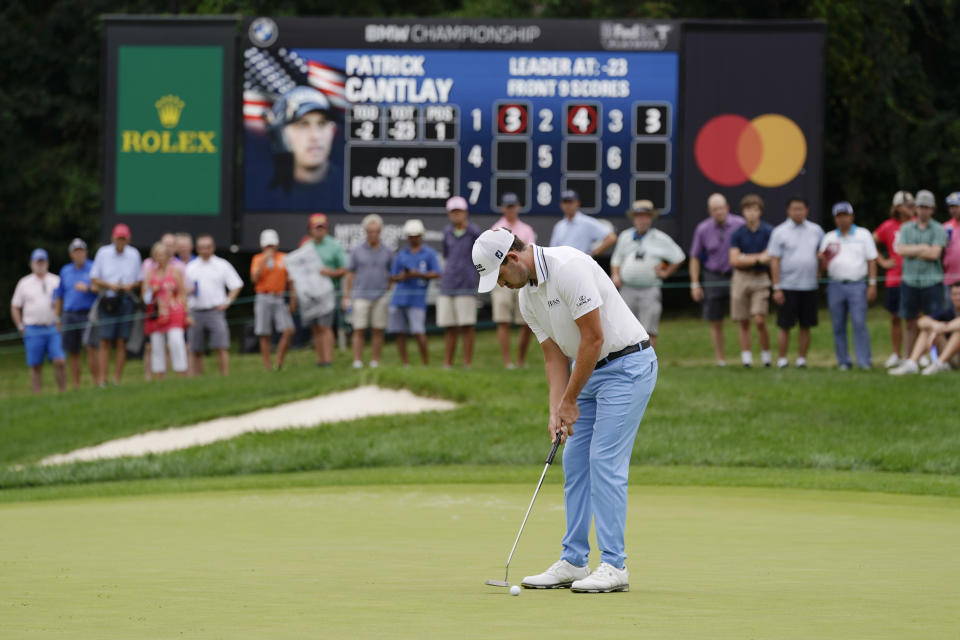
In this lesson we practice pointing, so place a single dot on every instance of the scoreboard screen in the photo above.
(349, 116)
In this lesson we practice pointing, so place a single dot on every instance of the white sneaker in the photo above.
(905, 368)
(606, 579)
(374, 364)
(937, 367)
(892, 361)
(358, 364)
(924, 360)
(782, 363)
(801, 363)
(560, 575)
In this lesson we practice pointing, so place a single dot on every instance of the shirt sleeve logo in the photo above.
(582, 300)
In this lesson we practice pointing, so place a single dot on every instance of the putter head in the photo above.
(498, 583)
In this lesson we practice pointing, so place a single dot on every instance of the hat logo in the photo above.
(499, 254)
(480, 268)
(169, 108)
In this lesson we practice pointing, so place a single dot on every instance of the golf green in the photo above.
(411, 561)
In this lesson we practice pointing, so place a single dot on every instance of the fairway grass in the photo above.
(409, 561)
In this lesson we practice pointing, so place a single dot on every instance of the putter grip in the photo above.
(553, 450)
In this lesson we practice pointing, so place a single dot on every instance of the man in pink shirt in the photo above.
(33, 311)
(506, 303)
(951, 255)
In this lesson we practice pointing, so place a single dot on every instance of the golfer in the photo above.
(596, 406)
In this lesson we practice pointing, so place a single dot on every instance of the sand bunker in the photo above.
(334, 407)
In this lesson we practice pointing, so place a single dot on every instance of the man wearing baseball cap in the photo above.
(596, 406)
(268, 272)
(412, 269)
(921, 243)
(902, 210)
(578, 230)
(850, 257)
(33, 312)
(116, 273)
(74, 298)
(457, 304)
(304, 123)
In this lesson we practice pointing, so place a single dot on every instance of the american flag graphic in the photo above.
(269, 74)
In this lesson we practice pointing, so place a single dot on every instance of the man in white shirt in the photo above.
(215, 284)
(33, 311)
(596, 406)
(849, 255)
(117, 273)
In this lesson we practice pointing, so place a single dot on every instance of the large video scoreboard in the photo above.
(427, 110)
(351, 116)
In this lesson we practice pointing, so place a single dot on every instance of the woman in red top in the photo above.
(902, 210)
(166, 299)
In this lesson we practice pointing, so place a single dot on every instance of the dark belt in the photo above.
(633, 348)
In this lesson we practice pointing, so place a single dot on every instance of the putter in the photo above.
(506, 573)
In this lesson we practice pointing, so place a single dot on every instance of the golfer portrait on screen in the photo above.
(303, 127)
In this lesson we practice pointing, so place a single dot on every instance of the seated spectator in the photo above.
(32, 310)
(270, 311)
(166, 298)
(365, 291)
(75, 297)
(642, 259)
(849, 256)
(941, 331)
(750, 284)
(412, 270)
(215, 285)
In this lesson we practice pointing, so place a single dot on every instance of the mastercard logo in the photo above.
(769, 150)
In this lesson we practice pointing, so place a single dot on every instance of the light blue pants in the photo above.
(596, 458)
(845, 298)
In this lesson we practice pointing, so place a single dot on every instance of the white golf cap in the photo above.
(925, 199)
(413, 228)
(269, 238)
(488, 253)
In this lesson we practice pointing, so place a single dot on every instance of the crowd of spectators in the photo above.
(173, 303)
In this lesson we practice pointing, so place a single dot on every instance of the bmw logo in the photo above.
(263, 32)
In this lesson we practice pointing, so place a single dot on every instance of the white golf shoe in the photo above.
(935, 368)
(560, 575)
(905, 368)
(892, 361)
(606, 579)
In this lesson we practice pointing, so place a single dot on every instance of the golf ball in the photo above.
(515, 590)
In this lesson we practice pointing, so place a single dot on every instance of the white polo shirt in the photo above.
(569, 285)
(210, 280)
(34, 297)
(853, 251)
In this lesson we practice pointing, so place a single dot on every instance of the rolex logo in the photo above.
(169, 108)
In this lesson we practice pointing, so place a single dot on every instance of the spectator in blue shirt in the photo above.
(750, 284)
(579, 230)
(74, 298)
(412, 269)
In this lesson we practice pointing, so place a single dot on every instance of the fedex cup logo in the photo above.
(769, 150)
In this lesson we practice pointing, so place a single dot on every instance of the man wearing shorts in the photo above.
(643, 258)
(365, 293)
(750, 285)
(711, 251)
(902, 210)
(793, 270)
(32, 310)
(457, 303)
(215, 285)
(506, 302)
(921, 243)
(412, 270)
(850, 257)
(75, 298)
(268, 272)
(334, 260)
(116, 273)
